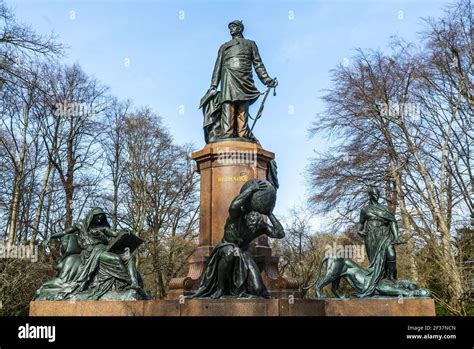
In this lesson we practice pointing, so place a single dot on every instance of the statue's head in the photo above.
(374, 193)
(253, 219)
(407, 284)
(236, 28)
(97, 218)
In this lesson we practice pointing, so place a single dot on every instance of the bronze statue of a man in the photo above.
(231, 269)
(233, 70)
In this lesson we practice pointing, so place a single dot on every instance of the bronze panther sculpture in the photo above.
(344, 268)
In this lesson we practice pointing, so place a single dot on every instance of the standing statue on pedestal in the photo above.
(378, 227)
(226, 112)
(97, 263)
(231, 269)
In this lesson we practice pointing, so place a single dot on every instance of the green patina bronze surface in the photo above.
(231, 269)
(379, 229)
(97, 263)
(226, 112)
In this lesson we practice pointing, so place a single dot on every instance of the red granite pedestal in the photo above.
(224, 167)
(239, 307)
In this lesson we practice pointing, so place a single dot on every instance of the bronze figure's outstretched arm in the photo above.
(67, 231)
(110, 232)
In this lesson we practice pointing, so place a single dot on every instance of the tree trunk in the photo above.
(407, 227)
(48, 205)
(18, 183)
(40, 205)
(69, 184)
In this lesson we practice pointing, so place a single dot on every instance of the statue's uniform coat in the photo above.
(233, 69)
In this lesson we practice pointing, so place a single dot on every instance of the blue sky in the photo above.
(161, 54)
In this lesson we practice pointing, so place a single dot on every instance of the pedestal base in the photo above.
(224, 167)
(239, 307)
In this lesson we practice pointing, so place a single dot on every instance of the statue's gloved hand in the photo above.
(213, 89)
(272, 83)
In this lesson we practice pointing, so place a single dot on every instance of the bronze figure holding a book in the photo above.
(97, 263)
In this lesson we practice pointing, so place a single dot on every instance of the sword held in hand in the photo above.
(262, 105)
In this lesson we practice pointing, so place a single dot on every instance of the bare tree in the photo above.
(161, 204)
(114, 148)
(71, 130)
(19, 44)
(405, 118)
(17, 120)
